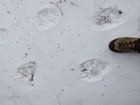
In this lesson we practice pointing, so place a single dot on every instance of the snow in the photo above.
(59, 36)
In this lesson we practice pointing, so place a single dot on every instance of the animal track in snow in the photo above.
(4, 34)
(108, 18)
(93, 70)
(47, 17)
(27, 71)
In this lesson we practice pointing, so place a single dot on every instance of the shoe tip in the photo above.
(112, 45)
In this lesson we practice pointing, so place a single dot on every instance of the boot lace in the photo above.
(130, 45)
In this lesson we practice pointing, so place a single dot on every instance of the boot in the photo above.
(125, 44)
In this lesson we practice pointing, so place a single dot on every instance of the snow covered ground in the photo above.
(55, 52)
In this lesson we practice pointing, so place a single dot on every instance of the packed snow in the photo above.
(55, 52)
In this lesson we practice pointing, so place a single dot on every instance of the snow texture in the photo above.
(4, 34)
(46, 45)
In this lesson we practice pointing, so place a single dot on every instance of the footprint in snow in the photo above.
(47, 17)
(108, 18)
(93, 70)
(26, 72)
